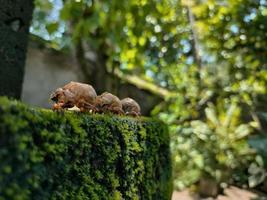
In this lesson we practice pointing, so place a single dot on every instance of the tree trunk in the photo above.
(96, 74)
(195, 43)
(15, 18)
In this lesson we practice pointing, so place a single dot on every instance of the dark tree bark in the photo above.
(195, 43)
(15, 18)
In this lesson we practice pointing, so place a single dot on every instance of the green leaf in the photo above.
(201, 129)
(257, 176)
(52, 27)
(65, 11)
(242, 131)
(211, 115)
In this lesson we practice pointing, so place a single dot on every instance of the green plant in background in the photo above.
(257, 169)
(211, 55)
(47, 155)
(214, 147)
(213, 115)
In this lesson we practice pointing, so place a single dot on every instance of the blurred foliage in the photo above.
(211, 55)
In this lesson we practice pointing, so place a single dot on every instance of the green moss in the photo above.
(48, 155)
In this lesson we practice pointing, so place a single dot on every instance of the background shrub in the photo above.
(47, 155)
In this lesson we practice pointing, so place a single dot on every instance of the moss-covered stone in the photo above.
(47, 155)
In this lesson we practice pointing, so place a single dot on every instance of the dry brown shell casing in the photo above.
(130, 107)
(73, 94)
(107, 102)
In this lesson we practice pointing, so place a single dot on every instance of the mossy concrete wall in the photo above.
(47, 155)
